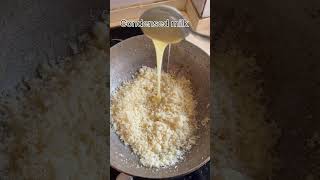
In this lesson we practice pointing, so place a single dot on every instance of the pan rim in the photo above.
(180, 174)
(160, 176)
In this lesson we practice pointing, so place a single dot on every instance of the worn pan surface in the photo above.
(125, 59)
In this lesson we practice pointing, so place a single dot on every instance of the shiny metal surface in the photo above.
(172, 34)
(125, 59)
(162, 14)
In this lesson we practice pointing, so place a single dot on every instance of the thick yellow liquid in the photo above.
(161, 37)
(160, 47)
(169, 34)
(165, 34)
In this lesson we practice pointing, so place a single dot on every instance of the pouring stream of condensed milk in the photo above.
(162, 36)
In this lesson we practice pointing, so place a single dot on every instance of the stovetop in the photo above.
(117, 35)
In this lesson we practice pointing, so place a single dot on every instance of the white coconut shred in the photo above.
(159, 132)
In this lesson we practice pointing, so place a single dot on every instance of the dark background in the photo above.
(284, 36)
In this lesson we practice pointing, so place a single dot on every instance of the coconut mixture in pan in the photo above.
(159, 130)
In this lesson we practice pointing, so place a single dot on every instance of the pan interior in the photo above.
(126, 58)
